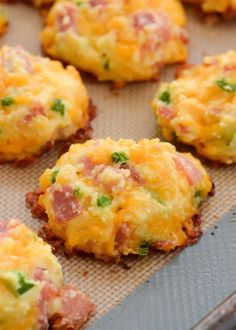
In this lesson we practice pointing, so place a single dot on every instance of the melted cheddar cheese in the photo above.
(199, 108)
(40, 103)
(111, 197)
(117, 40)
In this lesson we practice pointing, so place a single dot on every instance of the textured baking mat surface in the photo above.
(124, 114)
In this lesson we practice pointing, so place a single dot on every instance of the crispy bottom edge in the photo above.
(57, 243)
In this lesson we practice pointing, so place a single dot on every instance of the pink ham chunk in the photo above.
(16, 60)
(160, 23)
(192, 173)
(65, 205)
(122, 236)
(66, 19)
(95, 3)
(35, 110)
(76, 307)
(166, 112)
(5, 227)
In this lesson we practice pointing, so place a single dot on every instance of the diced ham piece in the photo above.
(163, 27)
(192, 173)
(39, 274)
(134, 173)
(76, 307)
(35, 110)
(184, 36)
(66, 19)
(43, 318)
(16, 60)
(65, 205)
(183, 129)
(166, 112)
(229, 67)
(95, 3)
(140, 20)
(5, 227)
(88, 166)
(122, 236)
(159, 21)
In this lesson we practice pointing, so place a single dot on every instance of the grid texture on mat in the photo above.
(122, 114)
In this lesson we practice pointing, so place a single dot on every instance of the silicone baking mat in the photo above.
(125, 113)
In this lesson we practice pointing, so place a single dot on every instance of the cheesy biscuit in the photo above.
(121, 41)
(32, 294)
(114, 198)
(40, 103)
(199, 108)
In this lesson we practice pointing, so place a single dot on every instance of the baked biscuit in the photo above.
(199, 108)
(32, 294)
(121, 41)
(114, 198)
(40, 103)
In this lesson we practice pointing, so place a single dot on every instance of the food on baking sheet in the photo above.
(225, 7)
(3, 21)
(32, 293)
(114, 198)
(121, 41)
(40, 103)
(199, 108)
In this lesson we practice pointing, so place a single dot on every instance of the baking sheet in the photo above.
(124, 114)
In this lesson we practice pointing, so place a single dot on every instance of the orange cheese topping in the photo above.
(109, 197)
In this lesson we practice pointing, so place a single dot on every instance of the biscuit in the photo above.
(199, 108)
(113, 198)
(32, 293)
(40, 103)
(121, 41)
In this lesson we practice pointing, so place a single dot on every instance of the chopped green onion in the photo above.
(225, 85)
(54, 176)
(198, 196)
(6, 101)
(77, 192)
(165, 97)
(104, 201)
(105, 62)
(16, 281)
(25, 285)
(119, 157)
(58, 106)
(143, 249)
(232, 143)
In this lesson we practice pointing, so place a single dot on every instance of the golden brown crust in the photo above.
(48, 236)
(31, 200)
